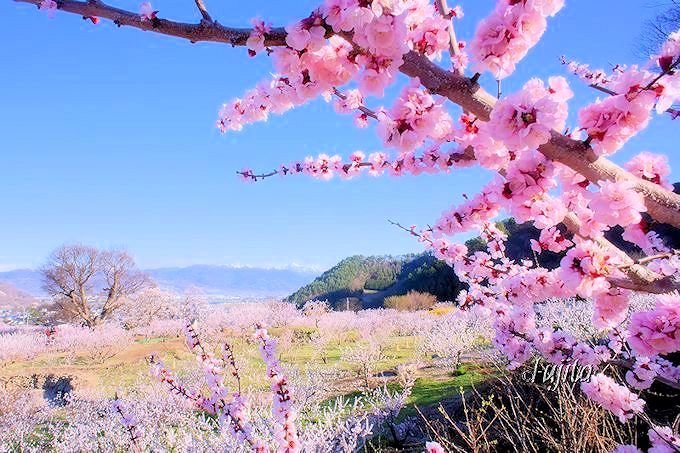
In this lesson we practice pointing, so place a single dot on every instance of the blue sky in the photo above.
(108, 138)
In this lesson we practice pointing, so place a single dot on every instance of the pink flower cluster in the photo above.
(303, 76)
(312, 65)
(255, 41)
(416, 116)
(50, 6)
(128, 421)
(473, 213)
(524, 120)
(649, 241)
(657, 331)
(613, 121)
(433, 447)
(663, 440)
(550, 239)
(505, 37)
(282, 408)
(326, 167)
(231, 407)
(525, 191)
(146, 12)
(489, 152)
(585, 269)
(611, 308)
(617, 203)
(614, 397)
(651, 167)
(591, 76)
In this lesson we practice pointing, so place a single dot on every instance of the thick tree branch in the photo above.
(663, 205)
(206, 30)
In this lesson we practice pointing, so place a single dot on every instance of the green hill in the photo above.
(364, 281)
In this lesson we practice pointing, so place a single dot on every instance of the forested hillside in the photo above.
(368, 280)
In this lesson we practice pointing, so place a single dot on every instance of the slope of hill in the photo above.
(366, 281)
(222, 280)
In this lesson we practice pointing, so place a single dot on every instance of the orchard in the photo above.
(559, 177)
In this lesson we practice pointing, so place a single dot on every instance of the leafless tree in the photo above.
(74, 274)
(656, 31)
(122, 279)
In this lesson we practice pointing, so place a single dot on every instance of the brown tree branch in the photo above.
(639, 278)
(203, 31)
(445, 11)
(204, 12)
(663, 205)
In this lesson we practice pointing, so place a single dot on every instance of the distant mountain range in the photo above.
(234, 281)
(13, 298)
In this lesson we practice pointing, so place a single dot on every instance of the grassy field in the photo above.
(130, 366)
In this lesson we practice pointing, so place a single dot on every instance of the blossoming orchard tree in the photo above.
(562, 181)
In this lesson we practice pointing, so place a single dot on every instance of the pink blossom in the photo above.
(585, 267)
(612, 396)
(506, 35)
(651, 167)
(146, 12)
(643, 373)
(551, 239)
(611, 308)
(649, 241)
(663, 440)
(255, 42)
(433, 447)
(525, 119)
(656, 331)
(50, 6)
(611, 122)
(415, 117)
(308, 34)
(617, 203)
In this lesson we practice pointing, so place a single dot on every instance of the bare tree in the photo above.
(73, 274)
(122, 279)
(656, 31)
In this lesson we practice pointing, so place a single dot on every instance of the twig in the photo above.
(445, 11)
(411, 231)
(362, 108)
(649, 258)
(204, 12)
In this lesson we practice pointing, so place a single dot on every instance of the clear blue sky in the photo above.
(108, 138)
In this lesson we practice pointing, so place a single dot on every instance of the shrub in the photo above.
(411, 301)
